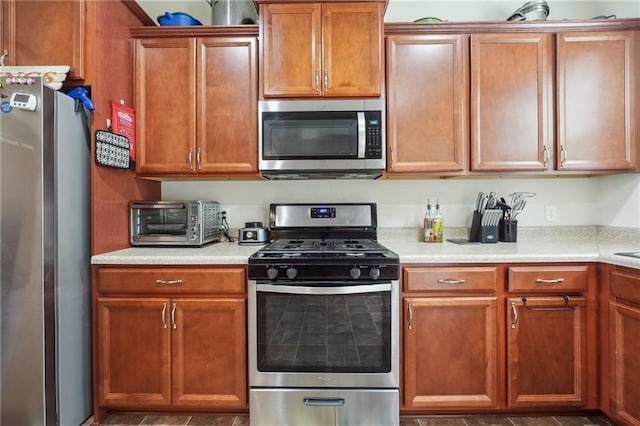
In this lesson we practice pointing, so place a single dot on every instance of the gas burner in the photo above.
(307, 247)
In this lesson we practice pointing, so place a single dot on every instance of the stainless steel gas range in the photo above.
(324, 320)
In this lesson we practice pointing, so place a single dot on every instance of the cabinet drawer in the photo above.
(171, 280)
(546, 279)
(626, 286)
(439, 279)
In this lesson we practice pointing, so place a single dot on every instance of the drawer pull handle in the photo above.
(164, 313)
(551, 281)
(323, 402)
(168, 282)
(451, 281)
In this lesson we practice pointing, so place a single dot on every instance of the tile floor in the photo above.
(243, 420)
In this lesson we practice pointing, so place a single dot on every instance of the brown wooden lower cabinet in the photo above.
(158, 350)
(624, 346)
(546, 351)
(172, 352)
(625, 362)
(487, 338)
(450, 352)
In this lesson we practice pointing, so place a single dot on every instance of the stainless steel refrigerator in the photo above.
(45, 288)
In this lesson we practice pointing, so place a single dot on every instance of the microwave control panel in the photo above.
(373, 147)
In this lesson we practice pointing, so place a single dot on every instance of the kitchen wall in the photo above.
(450, 10)
(608, 200)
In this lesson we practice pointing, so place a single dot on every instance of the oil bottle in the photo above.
(438, 224)
(427, 227)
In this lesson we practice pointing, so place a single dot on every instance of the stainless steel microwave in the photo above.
(174, 223)
(303, 139)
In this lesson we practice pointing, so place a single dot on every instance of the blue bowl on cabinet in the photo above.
(177, 19)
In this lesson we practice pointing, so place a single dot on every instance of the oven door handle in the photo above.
(333, 290)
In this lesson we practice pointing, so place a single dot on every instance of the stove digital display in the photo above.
(323, 212)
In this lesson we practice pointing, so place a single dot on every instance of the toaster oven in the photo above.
(174, 223)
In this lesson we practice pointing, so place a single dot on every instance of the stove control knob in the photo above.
(374, 272)
(292, 272)
(355, 273)
(272, 273)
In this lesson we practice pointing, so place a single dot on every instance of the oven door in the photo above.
(320, 334)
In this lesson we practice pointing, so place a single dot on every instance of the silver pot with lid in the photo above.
(253, 233)
(233, 12)
(536, 10)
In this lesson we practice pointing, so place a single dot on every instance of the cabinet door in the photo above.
(133, 352)
(63, 42)
(427, 97)
(352, 49)
(165, 100)
(209, 352)
(596, 101)
(546, 351)
(227, 107)
(625, 362)
(450, 352)
(291, 46)
(511, 102)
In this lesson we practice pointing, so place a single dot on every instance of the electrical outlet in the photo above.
(551, 213)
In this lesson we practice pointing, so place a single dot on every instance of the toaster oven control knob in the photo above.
(194, 228)
(292, 272)
(355, 273)
(272, 273)
(374, 272)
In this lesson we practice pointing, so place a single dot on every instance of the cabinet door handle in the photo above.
(173, 316)
(514, 312)
(160, 282)
(549, 281)
(326, 81)
(563, 155)
(317, 81)
(190, 158)
(546, 157)
(410, 325)
(164, 313)
(198, 164)
(451, 281)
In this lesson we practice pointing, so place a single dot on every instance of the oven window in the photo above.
(332, 334)
(162, 221)
(305, 135)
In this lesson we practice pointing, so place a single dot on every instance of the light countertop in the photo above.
(590, 249)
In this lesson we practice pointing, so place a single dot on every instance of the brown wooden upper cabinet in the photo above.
(196, 100)
(313, 49)
(511, 102)
(64, 23)
(596, 101)
(536, 107)
(427, 103)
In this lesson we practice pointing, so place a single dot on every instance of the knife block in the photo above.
(482, 233)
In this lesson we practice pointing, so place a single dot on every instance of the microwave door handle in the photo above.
(362, 134)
